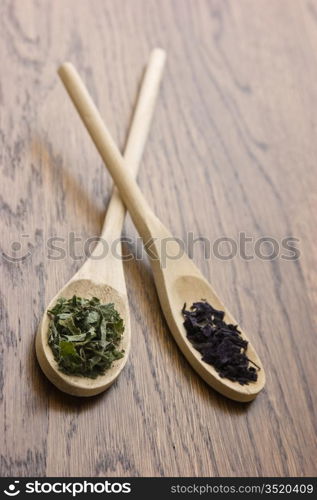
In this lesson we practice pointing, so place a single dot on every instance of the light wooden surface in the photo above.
(233, 148)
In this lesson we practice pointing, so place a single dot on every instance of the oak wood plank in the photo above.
(232, 149)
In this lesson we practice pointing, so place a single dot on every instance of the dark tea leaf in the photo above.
(84, 336)
(219, 343)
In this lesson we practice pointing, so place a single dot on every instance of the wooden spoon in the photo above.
(104, 277)
(177, 279)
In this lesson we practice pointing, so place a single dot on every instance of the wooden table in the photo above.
(232, 150)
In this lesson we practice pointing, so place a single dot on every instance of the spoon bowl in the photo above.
(74, 385)
(188, 289)
(179, 281)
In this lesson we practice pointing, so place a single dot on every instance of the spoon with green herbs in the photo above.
(83, 340)
(226, 361)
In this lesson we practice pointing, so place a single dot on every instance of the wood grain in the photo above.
(232, 149)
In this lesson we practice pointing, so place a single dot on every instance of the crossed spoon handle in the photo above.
(124, 180)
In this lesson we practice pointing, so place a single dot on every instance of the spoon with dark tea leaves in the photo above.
(177, 279)
(103, 278)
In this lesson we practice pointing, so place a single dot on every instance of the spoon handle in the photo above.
(137, 137)
(106, 146)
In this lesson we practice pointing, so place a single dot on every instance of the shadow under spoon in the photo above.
(177, 279)
(104, 278)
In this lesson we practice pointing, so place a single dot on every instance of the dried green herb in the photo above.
(84, 336)
(219, 343)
